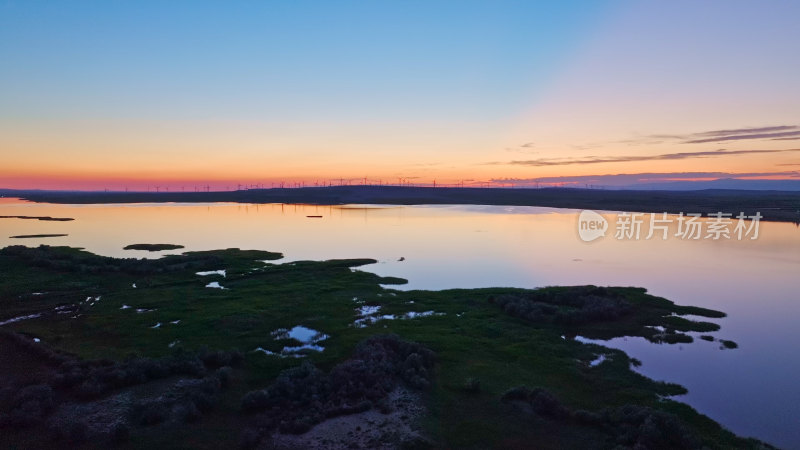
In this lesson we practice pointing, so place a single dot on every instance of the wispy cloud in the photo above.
(740, 137)
(775, 132)
(526, 148)
(773, 129)
(545, 162)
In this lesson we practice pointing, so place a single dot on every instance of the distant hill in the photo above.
(779, 205)
(723, 183)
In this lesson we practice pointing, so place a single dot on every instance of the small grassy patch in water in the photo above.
(152, 247)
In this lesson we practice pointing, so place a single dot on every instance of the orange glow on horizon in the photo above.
(220, 183)
(70, 162)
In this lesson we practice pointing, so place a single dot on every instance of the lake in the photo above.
(753, 390)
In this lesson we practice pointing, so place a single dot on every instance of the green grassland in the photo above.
(486, 341)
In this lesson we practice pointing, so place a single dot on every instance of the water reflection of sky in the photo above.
(751, 389)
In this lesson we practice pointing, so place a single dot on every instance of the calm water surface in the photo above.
(753, 390)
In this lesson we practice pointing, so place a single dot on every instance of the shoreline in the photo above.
(776, 206)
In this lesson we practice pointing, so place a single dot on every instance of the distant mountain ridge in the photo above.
(722, 183)
(777, 205)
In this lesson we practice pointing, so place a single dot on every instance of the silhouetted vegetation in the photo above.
(606, 312)
(70, 431)
(672, 338)
(120, 432)
(471, 385)
(773, 205)
(44, 218)
(28, 406)
(633, 426)
(540, 400)
(570, 306)
(185, 402)
(303, 396)
(94, 379)
(72, 260)
(204, 375)
(628, 426)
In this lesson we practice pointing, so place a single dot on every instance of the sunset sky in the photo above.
(134, 94)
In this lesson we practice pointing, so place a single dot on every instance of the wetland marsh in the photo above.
(443, 247)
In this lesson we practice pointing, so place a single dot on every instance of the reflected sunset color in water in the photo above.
(754, 281)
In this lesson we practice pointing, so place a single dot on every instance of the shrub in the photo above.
(303, 396)
(71, 431)
(541, 401)
(584, 417)
(629, 426)
(416, 442)
(254, 401)
(571, 306)
(516, 393)
(151, 413)
(250, 438)
(643, 427)
(29, 406)
(220, 358)
(187, 412)
(471, 385)
(119, 433)
(224, 375)
(85, 262)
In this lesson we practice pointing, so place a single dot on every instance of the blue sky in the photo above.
(283, 59)
(454, 90)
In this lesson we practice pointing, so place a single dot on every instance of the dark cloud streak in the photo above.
(718, 133)
(545, 162)
(732, 134)
(739, 137)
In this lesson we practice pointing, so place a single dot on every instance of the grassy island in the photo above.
(43, 218)
(229, 349)
(152, 247)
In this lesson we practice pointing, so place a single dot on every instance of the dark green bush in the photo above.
(303, 396)
(574, 305)
(471, 385)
